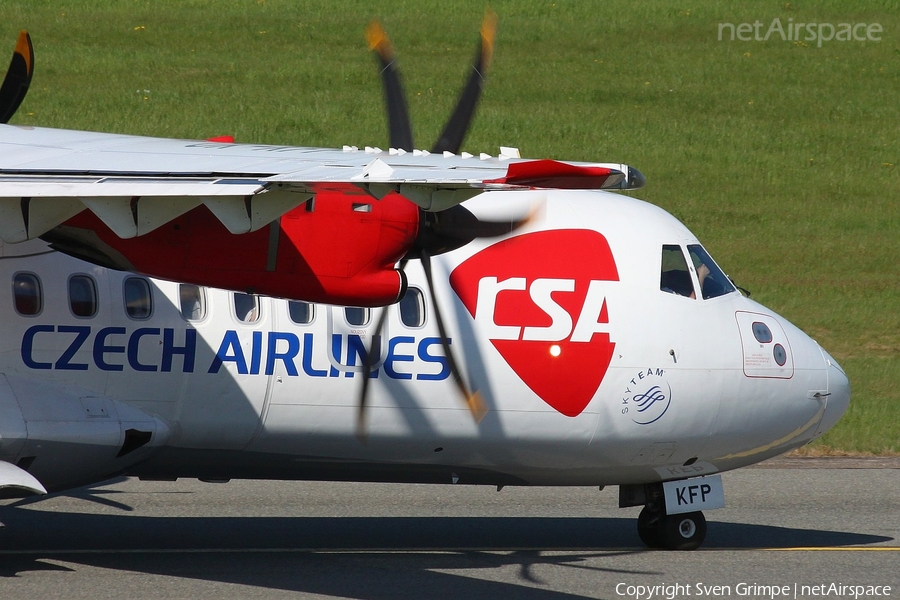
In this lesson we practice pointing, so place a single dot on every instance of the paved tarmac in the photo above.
(791, 522)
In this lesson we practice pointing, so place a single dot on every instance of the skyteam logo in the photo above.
(647, 396)
(541, 298)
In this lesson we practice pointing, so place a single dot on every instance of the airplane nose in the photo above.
(838, 393)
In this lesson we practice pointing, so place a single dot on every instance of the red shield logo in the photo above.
(541, 300)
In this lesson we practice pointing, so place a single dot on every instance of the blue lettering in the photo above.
(278, 346)
(393, 357)
(134, 343)
(65, 361)
(230, 341)
(256, 352)
(101, 348)
(307, 358)
(287, 357)
(430, 358)
(28, 346)
(189, 350)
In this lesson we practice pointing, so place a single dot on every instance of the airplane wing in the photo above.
(135, 184)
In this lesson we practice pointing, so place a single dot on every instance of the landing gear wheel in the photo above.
(683, 532)
(649, 526)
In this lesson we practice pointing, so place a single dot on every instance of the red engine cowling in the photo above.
(339, 248)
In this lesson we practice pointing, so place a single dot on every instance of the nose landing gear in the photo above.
(674, 532)
(679, 531)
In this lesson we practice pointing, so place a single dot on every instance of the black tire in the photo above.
(683, 532)
(649, 526)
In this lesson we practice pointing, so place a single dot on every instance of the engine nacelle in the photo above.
(340, 247)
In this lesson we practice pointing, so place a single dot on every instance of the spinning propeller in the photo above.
(438, 231)
(18, 77)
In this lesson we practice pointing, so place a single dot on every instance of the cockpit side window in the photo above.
(675, 277)
(713, 282)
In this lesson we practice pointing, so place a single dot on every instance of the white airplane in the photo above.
(606, 345)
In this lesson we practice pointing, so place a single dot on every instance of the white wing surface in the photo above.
(135, 184)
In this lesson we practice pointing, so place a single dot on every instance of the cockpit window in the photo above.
(713, 282)
(675, 278)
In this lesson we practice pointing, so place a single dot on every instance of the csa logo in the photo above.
(541, 300)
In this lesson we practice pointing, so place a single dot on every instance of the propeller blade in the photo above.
(441, 231)
(18, 77)
(455, 130)
(368, 363)
(399, 127)
(472, 399)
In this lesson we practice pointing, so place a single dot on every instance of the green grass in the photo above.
(782, 157)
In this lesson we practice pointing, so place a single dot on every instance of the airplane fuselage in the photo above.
(594, 371)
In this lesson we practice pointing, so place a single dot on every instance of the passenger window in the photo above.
(412, 308)
(357, 316)
(193, 302)
(302, 313)
(27, 294)
(713, 282)
(675, 278)
(246, 307)
(138, 301)
(82, 296)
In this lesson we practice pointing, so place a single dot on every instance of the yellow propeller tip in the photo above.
(23, 48)
(488, 34)
(489, 26)
(477, 406)
(377, 37)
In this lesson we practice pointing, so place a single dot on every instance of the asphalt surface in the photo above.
(790, 522)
